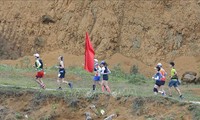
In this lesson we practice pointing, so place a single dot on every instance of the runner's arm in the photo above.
(99, 69)
(109, 71)
(102, 71)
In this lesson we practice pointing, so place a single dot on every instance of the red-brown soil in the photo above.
(41, 106)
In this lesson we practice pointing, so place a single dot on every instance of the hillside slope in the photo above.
(45, 105)
(139, 29)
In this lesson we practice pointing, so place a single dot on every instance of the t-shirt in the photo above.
(173, 71)
(61, 65)
(158, 76)
(105, 70)
(97, 70)
(39, 64)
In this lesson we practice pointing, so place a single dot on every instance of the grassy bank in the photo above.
(123, 84)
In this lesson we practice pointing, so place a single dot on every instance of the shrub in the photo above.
(134, 70)
(117, 71)
(136, 79)
(25, 62)
(133, 77)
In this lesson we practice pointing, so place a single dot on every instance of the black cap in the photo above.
(172, 63)
(158, 68)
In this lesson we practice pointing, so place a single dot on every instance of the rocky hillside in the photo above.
(148, 30)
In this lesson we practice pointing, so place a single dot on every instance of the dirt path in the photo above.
(88, 89)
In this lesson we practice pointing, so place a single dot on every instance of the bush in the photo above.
(136, 79)
(25, 63)
(133, 77)
(117, 71)
(134, 70)
(195, 109)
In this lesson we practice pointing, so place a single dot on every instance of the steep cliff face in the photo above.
(149, 30)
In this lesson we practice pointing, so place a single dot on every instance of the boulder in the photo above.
(191, 73)
(46, 19)
(88, 116)
(197, 81)
(111, 117)
(189, 77)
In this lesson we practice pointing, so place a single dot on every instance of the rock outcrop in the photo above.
(189, 77)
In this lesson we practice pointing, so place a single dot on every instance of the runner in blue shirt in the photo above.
(97, 74)
(157, 77)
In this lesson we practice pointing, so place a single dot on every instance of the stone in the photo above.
(110, 117)
(88, 116)
(189, 77)
(197, 81)
(46, 19)
(39, 41)
(74, 103)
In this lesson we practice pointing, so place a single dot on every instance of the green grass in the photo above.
(122, 84)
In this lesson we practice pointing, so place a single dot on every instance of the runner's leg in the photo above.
(170, 91)
(59, 82)
(94, 85)
(178, 90)
(107, 87)
(38, 81)
(155, 89)
(102, 85)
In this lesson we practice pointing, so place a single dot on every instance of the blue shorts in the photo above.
(62, 73)
(96, 78)
(173, 83)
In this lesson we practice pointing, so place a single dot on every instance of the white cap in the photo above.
(95, 60)
(36, 55)
(159, 64)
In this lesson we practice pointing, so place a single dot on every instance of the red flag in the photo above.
(89, 55)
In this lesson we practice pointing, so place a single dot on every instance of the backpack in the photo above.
(163, 73)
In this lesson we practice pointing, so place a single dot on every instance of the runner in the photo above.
(40, 72)
(105, 71)
(157, 77)
(174, 81)
(97, 76)
(164, 74)
(61, 74)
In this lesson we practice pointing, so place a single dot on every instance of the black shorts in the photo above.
(105, 77)
(61, 73)
(160, 83)
(163, 82)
